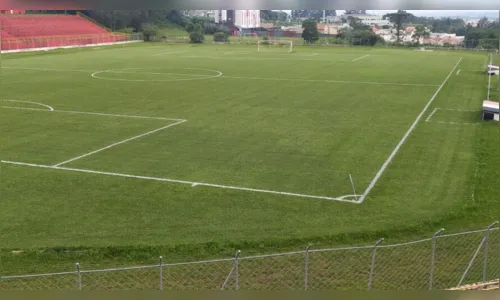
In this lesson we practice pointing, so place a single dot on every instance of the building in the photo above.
(334, 19)
(200, 13)
(472, 22)
(241, 19)
(442, 39)
(371, 20)
(330, 29)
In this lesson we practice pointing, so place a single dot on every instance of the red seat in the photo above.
(25, 26)
(40, 31)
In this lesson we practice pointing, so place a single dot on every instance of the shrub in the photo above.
(149, 31)
(221, 37)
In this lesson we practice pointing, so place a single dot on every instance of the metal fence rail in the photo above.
(439, 262)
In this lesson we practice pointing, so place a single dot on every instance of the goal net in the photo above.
(274, 46)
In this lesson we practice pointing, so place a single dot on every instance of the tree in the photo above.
(195, 32)
(149, 31)
(310, 32)
(361, 37)
(221, 37)
(312, 14)
(420, 32)
(398, 18)
(356, 23)
(483, 23)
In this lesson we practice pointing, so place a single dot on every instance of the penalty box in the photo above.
(59, 136)
(61, 165)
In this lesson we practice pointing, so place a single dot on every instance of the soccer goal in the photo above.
(274, 46)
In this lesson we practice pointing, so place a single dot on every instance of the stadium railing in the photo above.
(438, 262)
(10, 44)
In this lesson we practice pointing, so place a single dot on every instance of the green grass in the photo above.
(298, 123)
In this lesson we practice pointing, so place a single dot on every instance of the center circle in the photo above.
(178, 74)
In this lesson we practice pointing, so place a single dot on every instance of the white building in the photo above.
(239, 18)
(201, 13)
(371, 20)
(472, 22)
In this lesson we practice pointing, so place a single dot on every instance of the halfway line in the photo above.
(243, 77)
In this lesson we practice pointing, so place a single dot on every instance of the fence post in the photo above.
(161, 273)
(372, 268)
(306, 274)
(79, 276)
(486, 236)
(433, 257)
(483, 242)
(233, 269)
(237, 275)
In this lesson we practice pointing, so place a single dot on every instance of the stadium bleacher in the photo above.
(20, 31)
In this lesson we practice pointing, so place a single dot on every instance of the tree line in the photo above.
(485, 34)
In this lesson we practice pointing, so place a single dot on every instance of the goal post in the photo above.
(267, 45)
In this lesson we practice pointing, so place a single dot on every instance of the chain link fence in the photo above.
(439, 262)
(67, 42)
(327, 41)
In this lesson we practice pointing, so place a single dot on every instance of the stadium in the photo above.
(133, 160)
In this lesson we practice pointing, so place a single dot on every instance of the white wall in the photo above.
(247, 18)
(242, 18)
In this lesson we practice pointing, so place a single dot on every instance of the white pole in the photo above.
(489, 87)
(353, 188)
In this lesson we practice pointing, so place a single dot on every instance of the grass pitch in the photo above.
(256, 149)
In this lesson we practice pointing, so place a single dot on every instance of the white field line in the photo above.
(431, 114)
(50, 108)
(428, 120)
(118, 143)
(458, 72)
(455, 123)
(168, 53)
(93, 113)
(192, 183)
(405, 137)
(48, 69)
(154, 73)
(356, 59)
(465, 110)
(260, 58)
(327, 81)
(238, 77)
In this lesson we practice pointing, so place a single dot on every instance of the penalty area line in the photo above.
(118, 143)
(356, 59)
(192, 183)
(405, 137)
(91, 113)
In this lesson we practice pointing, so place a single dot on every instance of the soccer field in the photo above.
(189, 145)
